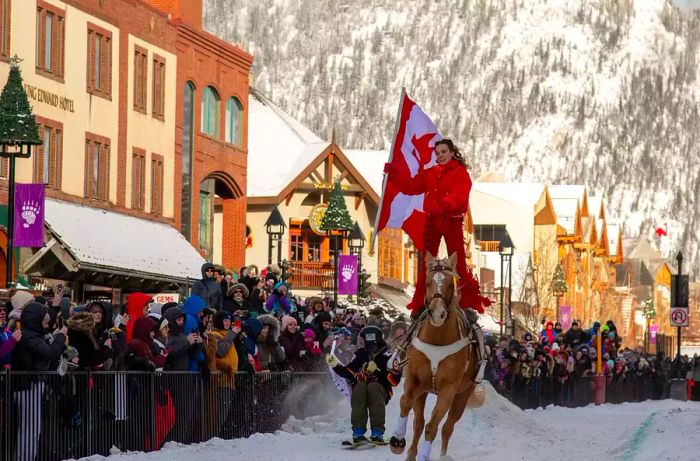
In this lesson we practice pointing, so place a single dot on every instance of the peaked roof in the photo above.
(370, 164)
(613, 238)
(522, 193)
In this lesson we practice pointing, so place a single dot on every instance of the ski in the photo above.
(350, 445)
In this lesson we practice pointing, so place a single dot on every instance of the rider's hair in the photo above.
(456, 154)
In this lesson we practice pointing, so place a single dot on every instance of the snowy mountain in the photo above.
(600, 92)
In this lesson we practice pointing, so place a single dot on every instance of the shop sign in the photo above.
(316, 217)
(163, 298)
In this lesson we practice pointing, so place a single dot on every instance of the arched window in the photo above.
(210, 112)
(234, 121)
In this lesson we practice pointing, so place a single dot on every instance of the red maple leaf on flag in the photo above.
(422, 145)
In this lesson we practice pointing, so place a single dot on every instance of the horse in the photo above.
(441, 359)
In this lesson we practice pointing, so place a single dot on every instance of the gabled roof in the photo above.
(574, 191)
(370, 164)
(565, 209)
(613, 238)
(521, 193)
(643, 250)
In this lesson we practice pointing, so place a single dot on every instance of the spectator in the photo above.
(8, 339)
(548, 333)
(180, 345)
(292, 341)
(280, 303)
(575, 336)
(84, 337)
(324, 325)
(194, 307)
(314, 306)
(141, 342)
(271, 354)
(237, 300)
(208, 289)
(136, 307)
(221, 350)
(252, 328)
(249, 277)
(18, 301)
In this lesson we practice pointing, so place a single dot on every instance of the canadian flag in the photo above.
(412, 150)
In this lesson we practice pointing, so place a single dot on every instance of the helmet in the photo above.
(373, 337)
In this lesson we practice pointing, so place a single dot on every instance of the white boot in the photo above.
(481, 352)
(424, 452)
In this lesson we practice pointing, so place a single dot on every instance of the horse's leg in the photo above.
(398, 439)
(418, 424)
(456, 411)
(444, 402)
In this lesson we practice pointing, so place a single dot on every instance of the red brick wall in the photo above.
(187, 11)
(206, 60)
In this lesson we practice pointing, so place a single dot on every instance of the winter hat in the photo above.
(164, 323)
(309, 334)
(21, 299)
(323, 317)
(271, 276)
(238, 286)
(155, 308)
(286, 321)
(219, 318)
(279, 285)
(167, 306)
(555, 347)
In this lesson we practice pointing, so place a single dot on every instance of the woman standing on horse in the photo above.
(446, 186)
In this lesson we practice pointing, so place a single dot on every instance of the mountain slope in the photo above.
(601, 92)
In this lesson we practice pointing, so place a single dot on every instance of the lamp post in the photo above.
(505, 251)
(356, 242)
(274, 226)
(649, 312)
(19, 136)
(558, 286)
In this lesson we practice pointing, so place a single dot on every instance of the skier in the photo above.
(372, 380)
(446, 186)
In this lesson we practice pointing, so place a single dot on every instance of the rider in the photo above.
(446, 187)
(372, 381)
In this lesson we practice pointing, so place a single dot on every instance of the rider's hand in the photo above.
(371, 366)
(332, 360)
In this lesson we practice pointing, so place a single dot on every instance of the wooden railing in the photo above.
(487, 245)
(312, 275)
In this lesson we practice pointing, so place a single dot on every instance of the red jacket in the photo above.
(446, 188)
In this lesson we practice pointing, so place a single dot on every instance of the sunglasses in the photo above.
(237, 291)
(209, 270)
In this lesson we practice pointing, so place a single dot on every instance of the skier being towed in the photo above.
(371, 380)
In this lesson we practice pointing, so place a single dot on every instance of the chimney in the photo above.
(187, 11)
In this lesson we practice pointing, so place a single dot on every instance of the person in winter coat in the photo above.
(141, 342)
(371, 382)
(8, 339)
(575, 336)
(194, 311)
(314, 306)
(136, 307)
(324, 328)
(208, 289)
(83, 335)
(280, 303)
(292, 341)
(249, 277)
(236, 301)
(221, 349)
(548, 333)
(17, 302)
(181, 346)
(252, 328)
(446, 186)
(271, 354)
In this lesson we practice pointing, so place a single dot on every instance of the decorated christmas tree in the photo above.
(337, 216)
(558, 284)
(17, 123)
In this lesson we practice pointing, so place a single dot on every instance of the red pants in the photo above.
(468, 286)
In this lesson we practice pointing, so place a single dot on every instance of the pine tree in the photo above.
(337, 216)
(17, 123)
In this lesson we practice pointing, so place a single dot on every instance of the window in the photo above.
(99, 76)
(210, 112)
(156, 184)
(158, 109)
(97, 167)
(50, 40)
(187, 153)
(489, 232)
(5, 9)
(138, 179)
(140, 79)
(234, 121)
(48, 158)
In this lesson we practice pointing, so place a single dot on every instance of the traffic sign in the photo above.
(679, 316)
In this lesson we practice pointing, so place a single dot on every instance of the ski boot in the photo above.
(358, 437)
(377, 437)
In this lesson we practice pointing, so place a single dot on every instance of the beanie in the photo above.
(286, 321)
(21, 299)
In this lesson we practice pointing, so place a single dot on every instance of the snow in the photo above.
(370, 164)
(521, 193)
(113, 240)
(648, 431)
(565, 209)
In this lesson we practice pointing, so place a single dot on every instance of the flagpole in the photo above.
(384, 181)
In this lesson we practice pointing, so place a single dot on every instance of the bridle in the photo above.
(435, 268)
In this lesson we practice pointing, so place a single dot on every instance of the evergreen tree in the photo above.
(17, 123)
(337, 216)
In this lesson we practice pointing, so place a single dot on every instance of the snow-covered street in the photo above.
(654, 430)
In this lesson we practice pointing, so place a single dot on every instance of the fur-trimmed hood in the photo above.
(273, 324)
(238, 286)
(82, 321)
(274, 269)
(246, 271)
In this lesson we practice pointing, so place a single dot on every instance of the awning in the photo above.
(111, 249)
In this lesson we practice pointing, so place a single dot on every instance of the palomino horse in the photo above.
(441, 359)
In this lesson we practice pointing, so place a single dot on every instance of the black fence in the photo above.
(51, 417)
(579, 391)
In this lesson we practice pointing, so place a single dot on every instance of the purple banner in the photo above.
(653, 331)
(347, 275)
(28, 229)
(565, 317)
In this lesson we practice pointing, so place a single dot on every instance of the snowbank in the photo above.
(499, 430)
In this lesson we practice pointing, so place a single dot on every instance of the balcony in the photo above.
(312, 275)
(488, 246)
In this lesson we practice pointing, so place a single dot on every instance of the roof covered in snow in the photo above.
(613, 235)
(575, 191)
(105, 239)
(370, 164)
(565, 209)
(279, 147)
(522, 193)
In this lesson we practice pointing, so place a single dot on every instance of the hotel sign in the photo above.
(316, 217)
(52, 99)
(329, 186)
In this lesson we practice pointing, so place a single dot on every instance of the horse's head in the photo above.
(440, 287)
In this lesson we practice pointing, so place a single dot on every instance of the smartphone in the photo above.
(317, 345)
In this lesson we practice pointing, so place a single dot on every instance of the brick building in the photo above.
(211, 136)
(101, 79)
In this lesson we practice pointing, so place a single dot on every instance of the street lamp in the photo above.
(505, 251)
(356, 242)
(558, 286)
(19, 136)
(274, 226)
(649, 312)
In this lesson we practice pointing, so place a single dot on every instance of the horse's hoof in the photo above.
(397, 445)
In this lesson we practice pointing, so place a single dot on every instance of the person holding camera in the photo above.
(292, 340)
(236, 300)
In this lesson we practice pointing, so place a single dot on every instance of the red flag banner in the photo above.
(412, 150)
